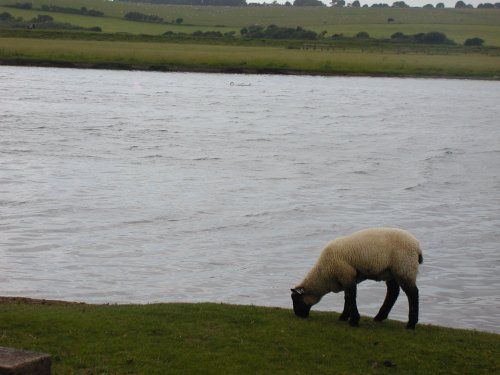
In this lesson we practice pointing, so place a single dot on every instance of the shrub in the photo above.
(432, 37)
(5, 16)
(20, 5)
(400, 4)
(207, 34)
(42, 18)
(486, 6)
(308, 3)
(94, 13)
(362, 35)
(83, 10)
(277, 32)
(136, 16)
(474, 42)
(398, 35)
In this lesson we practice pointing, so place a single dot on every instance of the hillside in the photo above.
(457, 24)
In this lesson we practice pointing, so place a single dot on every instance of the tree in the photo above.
(428, 6)
(20, 5)
(400, 4)
(460, 4)
(179, 20)
(337, 3)
(41, 18)
(362, 35)
(5, 16)
(398, 35)
(433, 37)
(136, 16)
(474, 42)
(277, 32)
(356, 4)
(308, 3)
(440, 5)
(94, 13)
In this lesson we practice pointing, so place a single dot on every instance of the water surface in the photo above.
(139, 187)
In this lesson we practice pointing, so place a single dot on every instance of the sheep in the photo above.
(388, 254)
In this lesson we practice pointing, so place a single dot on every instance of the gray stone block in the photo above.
(22, 362)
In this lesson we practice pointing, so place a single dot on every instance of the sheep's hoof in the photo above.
(343, 317)
(379, 318)
(354, 323)
(410, 325)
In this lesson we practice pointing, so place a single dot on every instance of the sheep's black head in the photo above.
(300, 308)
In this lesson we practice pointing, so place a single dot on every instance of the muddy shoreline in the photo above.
(36, 301)
(215, 70)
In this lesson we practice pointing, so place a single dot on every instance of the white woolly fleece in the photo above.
(374, 253)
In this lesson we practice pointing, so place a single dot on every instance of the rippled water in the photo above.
(157, 187)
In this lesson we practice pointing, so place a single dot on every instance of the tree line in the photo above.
(41, 21)
(58, 9)
(249, 32)
(299, 3)
(396, 4)
(460, 4)
(192, 2)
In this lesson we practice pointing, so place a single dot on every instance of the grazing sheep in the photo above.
(388, 254)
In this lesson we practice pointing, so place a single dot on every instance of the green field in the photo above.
(126, 44)
(228, 339)
(457, 24)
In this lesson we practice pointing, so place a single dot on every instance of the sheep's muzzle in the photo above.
(300, 308)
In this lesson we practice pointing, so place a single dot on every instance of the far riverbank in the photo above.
(255, 59)
(226, 70)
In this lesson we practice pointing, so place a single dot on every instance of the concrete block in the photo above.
(22, 362)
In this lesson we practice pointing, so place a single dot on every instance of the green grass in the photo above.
(457, 24)
(206, 57)
(115, 25)
(228, 339)
(139, 45)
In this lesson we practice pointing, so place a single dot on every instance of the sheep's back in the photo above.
(373, 252)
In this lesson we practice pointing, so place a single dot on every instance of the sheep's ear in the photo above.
(299, 291)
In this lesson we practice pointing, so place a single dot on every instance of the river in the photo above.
(141, 187)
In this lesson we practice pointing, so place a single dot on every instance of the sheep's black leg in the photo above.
(345, 313)
(350, 296)
(390, 300)
(412, 294)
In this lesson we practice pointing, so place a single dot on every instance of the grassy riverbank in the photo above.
(124, 44)
(229, 339)
(195, 56)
